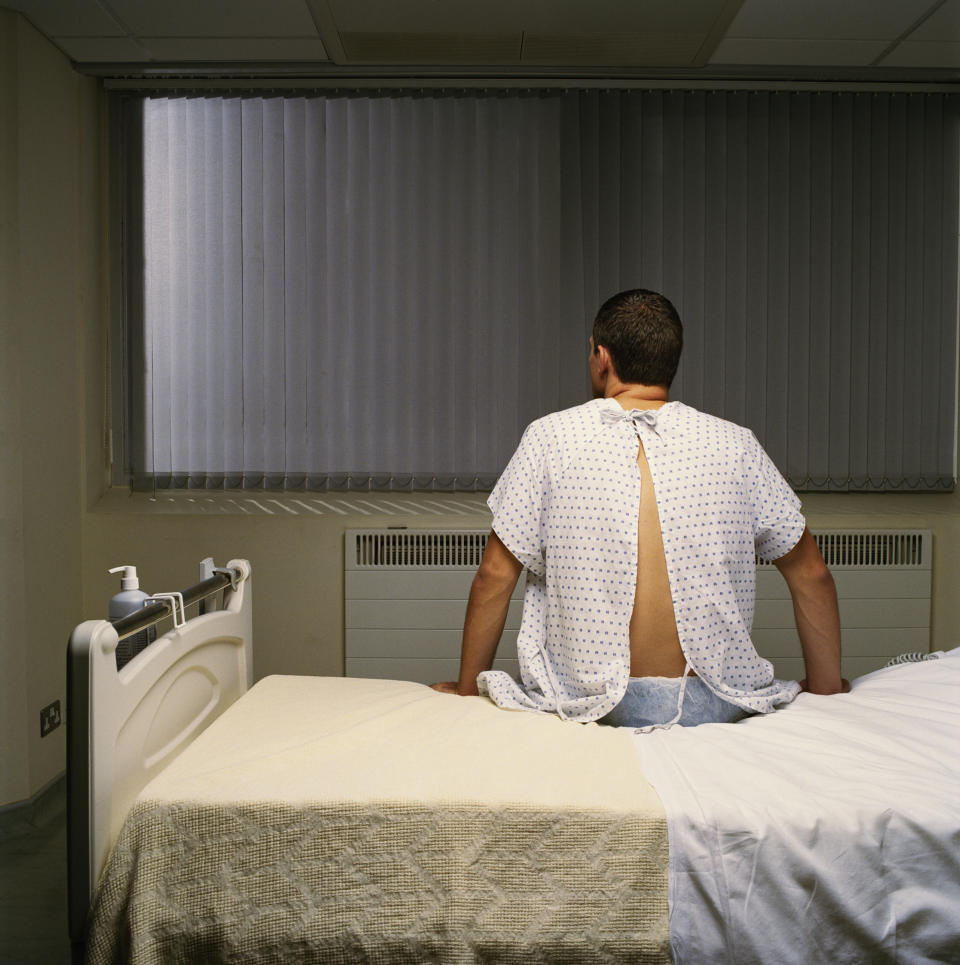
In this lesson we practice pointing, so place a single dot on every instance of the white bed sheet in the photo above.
(826, 832)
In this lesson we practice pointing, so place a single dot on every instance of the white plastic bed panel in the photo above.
(139, 718)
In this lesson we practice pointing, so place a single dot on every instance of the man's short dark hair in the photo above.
(642, 332)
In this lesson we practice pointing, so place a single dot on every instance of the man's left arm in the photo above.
(486, 615)
(817, 615)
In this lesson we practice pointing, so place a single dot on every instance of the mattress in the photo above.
(345, 820)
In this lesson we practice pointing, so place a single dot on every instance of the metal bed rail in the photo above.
(153, 613)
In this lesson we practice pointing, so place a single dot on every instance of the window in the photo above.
(353, 291)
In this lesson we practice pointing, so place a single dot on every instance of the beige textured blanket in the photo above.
(343, 820)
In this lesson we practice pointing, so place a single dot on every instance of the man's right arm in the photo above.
(816, 613)
(486, 615)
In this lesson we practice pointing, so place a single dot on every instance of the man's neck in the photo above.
(635, 396)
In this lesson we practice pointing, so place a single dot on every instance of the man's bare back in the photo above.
(654, 642)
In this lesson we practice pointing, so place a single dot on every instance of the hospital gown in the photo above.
(567, 506)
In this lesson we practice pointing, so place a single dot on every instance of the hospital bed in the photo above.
(345, 820)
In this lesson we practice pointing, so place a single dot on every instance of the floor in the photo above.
(33, 882)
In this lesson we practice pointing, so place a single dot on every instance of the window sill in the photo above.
(421, 508)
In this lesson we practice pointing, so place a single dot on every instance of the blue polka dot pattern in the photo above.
(567, 506)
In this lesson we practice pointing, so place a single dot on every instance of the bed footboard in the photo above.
(125, 725)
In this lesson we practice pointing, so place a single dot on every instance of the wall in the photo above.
(14, 762)
(297, 559)
(49, 297)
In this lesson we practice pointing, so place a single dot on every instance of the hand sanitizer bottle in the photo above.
(129, 600)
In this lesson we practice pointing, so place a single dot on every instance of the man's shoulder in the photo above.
(690, 419)
(585, 416)
(582, 421)
(557, 434)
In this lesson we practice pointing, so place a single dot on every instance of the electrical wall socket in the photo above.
(49, 718)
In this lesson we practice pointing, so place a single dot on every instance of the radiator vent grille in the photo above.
(426, 549)
(406, 591)
(419, 549)
(904, 549)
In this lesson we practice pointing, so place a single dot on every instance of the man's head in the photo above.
(642, 333)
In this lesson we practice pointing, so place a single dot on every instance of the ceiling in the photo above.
(868, 39)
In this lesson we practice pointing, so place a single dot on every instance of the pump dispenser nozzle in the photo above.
(129, 580)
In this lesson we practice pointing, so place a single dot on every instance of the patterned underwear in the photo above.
(654, 702)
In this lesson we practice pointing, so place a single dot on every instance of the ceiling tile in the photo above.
(68, 18)
(613, 16)
(943, 25)
(826, 19)
(431, 48)
(264, 50)
(600, 33)
(101, 50)
(794, 53)
(216, 18)
(611, 50)
(533, 16)
(415, 17)
(927, 53)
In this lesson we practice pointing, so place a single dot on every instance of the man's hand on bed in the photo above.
(454, 687)
(844, 687)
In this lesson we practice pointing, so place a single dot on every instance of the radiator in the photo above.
(406, 591)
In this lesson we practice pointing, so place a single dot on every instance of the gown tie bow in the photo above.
(638, 417)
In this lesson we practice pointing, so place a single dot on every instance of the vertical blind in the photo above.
(348, 291)
(351, 291)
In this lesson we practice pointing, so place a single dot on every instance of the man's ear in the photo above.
(603, 357)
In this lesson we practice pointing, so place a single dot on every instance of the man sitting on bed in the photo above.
(638, 521)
